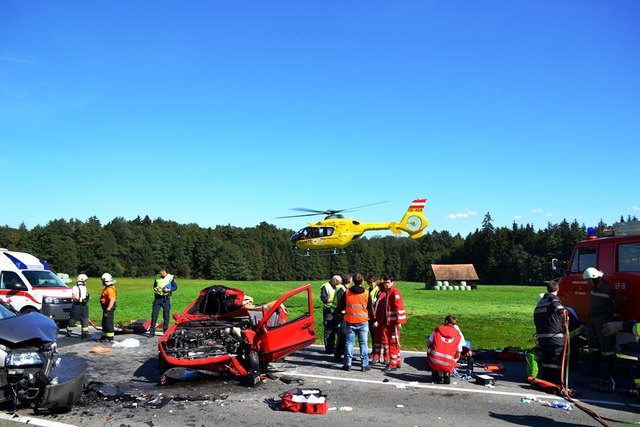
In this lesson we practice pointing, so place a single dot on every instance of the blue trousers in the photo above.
(362, 331)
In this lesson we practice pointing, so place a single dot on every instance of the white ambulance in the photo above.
(27, 284)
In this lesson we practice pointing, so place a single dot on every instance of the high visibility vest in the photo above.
(338, 289)
(331, 292)
(356, 311)
(373, 294)
(442, 352)
(161, 283)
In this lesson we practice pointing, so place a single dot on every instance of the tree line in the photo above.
(137, 248)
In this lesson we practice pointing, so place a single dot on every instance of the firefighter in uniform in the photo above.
(357, 310)
(108, 304)
(630, 327)
(162, 286)
(79, 307)
(602, 309)
(548, 318)
(445, 344)
(394, 318)
(327, 294)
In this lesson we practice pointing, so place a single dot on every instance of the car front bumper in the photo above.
(67, 385)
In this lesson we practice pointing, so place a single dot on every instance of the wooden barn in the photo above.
(452, 276)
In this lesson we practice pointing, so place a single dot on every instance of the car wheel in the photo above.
(254, 361)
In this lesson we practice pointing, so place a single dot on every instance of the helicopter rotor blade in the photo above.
(298, 216)
(363, 206)
(327, 212)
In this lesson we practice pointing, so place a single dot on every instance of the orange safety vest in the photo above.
(356, 311)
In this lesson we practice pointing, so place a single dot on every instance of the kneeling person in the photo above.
(445, 345)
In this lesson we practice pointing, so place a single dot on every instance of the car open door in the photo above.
(287, 326)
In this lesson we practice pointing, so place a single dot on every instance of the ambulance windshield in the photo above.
(43, 279)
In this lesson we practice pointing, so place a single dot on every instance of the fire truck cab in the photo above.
(617, 255)
(27, 284)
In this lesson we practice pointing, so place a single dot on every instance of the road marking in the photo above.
(32, 421)
(418, 385)
(449, 388)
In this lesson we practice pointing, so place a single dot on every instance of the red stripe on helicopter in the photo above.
(418, 204)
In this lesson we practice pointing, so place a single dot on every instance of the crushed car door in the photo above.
(287, 325)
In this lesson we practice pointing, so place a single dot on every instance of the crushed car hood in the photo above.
(27, 329)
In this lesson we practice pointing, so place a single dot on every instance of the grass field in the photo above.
(491, 317)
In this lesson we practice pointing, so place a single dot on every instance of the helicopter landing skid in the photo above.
(318, 252)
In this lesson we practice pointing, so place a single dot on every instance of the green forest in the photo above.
(517, 255)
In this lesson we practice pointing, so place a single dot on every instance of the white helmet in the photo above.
(82, 278)
(106, 277)
(592, 273)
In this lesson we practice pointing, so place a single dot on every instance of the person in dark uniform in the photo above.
(163, 286)
(79, 307)
(548, 317)
(602, 309)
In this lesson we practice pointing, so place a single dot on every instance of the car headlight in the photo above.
(52, 300)
(16, 360)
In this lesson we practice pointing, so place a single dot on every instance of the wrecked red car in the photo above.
(223, 331)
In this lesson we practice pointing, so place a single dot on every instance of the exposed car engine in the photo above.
(200, 339)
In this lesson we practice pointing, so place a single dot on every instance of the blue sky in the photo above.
(234, 112)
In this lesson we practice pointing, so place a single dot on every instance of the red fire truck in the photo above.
(617, 255)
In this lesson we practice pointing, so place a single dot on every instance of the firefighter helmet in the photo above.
(82, 278)
(106, 277)
(592, 273)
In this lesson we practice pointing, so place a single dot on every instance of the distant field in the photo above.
(490, 317)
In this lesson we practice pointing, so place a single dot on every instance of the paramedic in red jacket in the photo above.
(444, 350)
(394, 318)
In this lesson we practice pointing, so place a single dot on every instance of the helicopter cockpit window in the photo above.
(325, 231)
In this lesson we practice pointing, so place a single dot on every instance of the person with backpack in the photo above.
(79, 307)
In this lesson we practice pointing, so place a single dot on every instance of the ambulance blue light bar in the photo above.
(19, 264)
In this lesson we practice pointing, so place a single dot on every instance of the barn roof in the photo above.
(454, 272)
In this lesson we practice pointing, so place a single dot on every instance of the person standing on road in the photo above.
(108, 304)
(548, 318)
(327, 294)
(380, 340)
(163, 285)
(79, 307)
(373, 290)
(395, 317)
(357, 311)
(602, 309)
(339, 328)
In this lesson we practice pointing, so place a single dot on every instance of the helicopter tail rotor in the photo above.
(413, 222)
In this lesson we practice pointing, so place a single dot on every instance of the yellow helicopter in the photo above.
(335, 232)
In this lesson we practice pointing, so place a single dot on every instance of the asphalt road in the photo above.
(123, 390)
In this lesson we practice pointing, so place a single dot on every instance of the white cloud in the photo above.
(517, 217)
(635, 208)
(537, 210)
(548, 215)
(466, 214)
